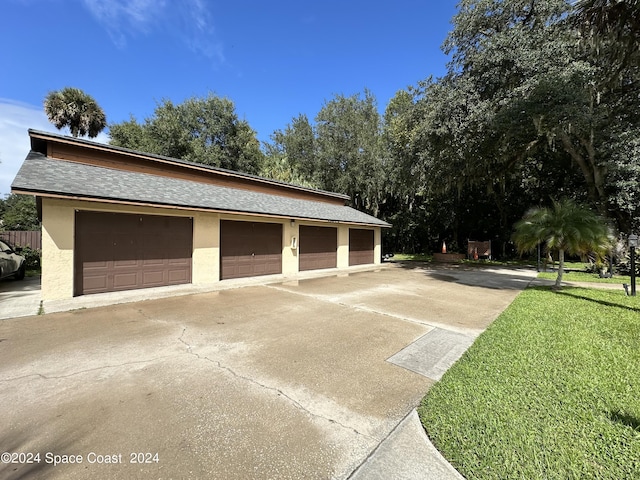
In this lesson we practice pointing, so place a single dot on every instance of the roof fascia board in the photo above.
(183, 208)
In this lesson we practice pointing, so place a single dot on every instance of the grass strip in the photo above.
(551, 390)
(585, 277)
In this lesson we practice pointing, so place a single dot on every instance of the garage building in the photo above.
(115, 219)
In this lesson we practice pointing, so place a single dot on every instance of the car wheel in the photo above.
(20, 273)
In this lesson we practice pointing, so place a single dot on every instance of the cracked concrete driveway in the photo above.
(285, 380)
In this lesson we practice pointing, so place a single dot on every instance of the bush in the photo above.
(624, 264)
(32, 257)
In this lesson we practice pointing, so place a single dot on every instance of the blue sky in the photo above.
(274, 60)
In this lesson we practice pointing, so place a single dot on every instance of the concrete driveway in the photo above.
(19, 298)
(289, 380)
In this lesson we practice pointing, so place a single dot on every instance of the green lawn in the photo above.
(585, 277)
(551, 390)
(423, 257)
(412, 257)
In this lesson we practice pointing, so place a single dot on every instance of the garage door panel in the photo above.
(115, 251)
(237, 266)
(124, 246)
(315, 261)
(318, 247)
(177, 262)
(155, 278)
(94, 284)
(250, 249)
(153, 262)
(361, 244)
(245, 268)
(268, 264)
(95, 265)
(125, 281)
(100, 245)
(177, 277)
(125, 263)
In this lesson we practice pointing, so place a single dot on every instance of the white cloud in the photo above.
(189, 20)
(199, 32)
(120, 17)
(16, 118)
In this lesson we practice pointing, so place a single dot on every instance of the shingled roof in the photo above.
(44, 176)
(40, 139)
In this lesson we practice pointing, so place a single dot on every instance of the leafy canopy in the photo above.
(348, 149)
(204, 130)
(19, 212)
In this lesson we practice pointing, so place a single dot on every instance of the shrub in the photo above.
(32, 257)
(623, 265)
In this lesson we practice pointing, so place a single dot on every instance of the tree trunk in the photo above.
(593, 174)
(558, 284)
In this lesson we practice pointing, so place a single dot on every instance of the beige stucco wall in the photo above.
(343, 246)
(205, 267)
(377, 246)
(58, 219)
(57, 249)
(290, 238)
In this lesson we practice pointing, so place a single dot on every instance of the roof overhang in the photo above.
(53, 178)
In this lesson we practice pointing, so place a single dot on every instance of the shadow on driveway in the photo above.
(498, 278)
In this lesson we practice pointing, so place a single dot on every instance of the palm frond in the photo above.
(71, 107)
(565, 226)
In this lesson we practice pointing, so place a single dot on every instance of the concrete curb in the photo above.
(406, 454)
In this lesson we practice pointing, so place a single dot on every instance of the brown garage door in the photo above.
(116, 251)
(360, 246)
(318, 247)
(250, 249)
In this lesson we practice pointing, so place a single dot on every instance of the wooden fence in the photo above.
(31, 239)
(477, 250)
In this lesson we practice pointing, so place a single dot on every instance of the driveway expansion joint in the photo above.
(360, 308)
(375, 450)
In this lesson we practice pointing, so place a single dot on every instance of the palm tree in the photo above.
(71, 107)
(565, 227)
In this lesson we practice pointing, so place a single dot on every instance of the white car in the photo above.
(11, 264)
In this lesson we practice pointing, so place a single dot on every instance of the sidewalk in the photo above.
(406, 454)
